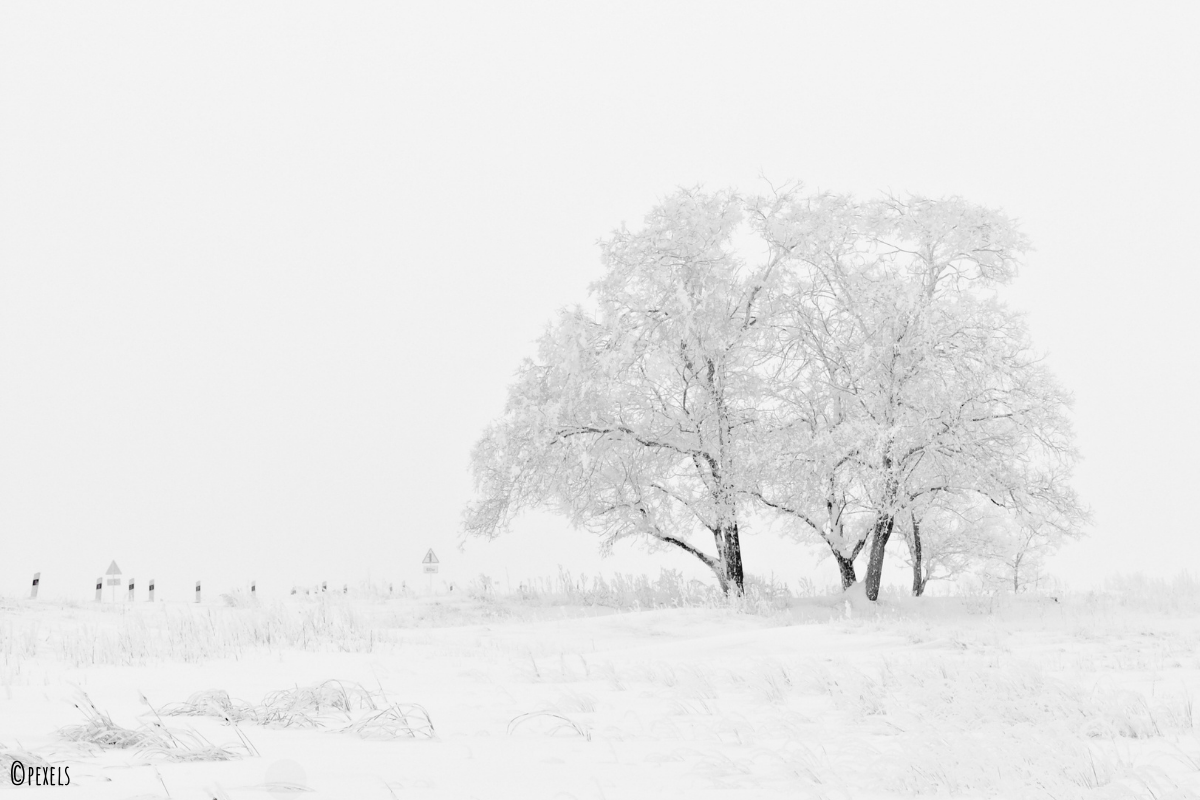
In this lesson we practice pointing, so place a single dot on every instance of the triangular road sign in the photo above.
(430, 558)
(113, 569)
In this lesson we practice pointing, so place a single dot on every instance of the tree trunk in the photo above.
(729, 546)
(846, 565)
(918, 576)
(846, 568)
(879, 539)
(722, 581)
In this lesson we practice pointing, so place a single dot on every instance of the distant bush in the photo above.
(239, 599)
(1137, 591)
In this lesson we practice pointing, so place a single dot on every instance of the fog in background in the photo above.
(267, 269)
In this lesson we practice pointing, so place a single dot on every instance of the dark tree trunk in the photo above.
(918, 579)
(729, 548)
(846, 565)
(879, 539)
(846, 568)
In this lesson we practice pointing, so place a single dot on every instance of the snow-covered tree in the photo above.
(1020, 544)
(948, 539)
(970, 535)
(636, 420)
(960, 402)
(900, 376)
(811, 427)
(850, 368)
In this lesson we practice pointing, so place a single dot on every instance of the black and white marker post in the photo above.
(130, 590)
(197, 591)
(37, 576)
(99, 589)
(151, 587)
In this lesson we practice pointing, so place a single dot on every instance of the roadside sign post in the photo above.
(114, 578)
(430, 564)
(37, 576)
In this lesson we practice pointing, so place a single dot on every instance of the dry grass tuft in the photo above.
(307, 706)
(100, 730)
(10, 754)
(153, 739)
(397, 721)
(316, 707)
(212, 703)
(551, 724)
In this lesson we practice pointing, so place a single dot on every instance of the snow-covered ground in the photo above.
(1088, 696)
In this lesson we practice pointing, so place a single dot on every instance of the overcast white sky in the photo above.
(266, 269)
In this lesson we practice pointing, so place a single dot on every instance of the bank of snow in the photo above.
(835, 698)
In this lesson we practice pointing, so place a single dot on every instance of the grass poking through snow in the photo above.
(355, 708)
(397, 721)
(153, 739)
(549, 723)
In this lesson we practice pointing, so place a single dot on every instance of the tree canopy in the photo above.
(846, 364)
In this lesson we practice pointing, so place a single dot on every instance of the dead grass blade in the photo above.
(153, 739)
(556, 723)
(397, 721)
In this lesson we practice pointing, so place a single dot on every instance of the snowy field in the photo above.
(454, 696)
